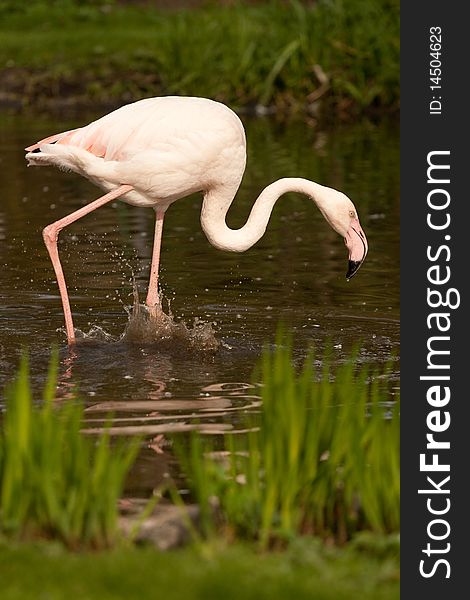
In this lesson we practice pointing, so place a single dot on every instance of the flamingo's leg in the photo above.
(51, 235)
(153, 299)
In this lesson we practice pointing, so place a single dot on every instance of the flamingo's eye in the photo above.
(352, 213)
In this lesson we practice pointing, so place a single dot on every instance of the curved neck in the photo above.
(217, 201)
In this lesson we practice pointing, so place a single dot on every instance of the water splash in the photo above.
(157, 328)
(161, 328)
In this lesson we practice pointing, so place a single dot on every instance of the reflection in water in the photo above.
(295, 274)
(207, 428)
(207, 404)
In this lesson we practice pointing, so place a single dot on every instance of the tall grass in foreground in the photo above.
(322, 458)
(55, 481)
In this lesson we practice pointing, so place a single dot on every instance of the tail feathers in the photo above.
(71, 158)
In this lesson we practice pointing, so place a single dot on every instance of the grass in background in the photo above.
(321, 459)
(241, 54)
(56, 482)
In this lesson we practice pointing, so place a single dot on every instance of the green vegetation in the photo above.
(307, 570)
(286, 54)
(54, 481)
(321, 459)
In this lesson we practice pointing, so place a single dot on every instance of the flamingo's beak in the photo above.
(356, 243)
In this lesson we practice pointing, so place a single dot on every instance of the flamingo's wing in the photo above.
(117, 134)
(87, 138)
(52, 139)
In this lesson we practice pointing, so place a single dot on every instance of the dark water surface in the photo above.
(295, 274)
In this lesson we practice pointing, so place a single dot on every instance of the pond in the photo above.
(295, 275)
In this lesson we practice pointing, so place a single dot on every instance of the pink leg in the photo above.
(153, 299)
(51, 235)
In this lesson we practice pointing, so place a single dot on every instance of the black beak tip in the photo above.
(353, 267)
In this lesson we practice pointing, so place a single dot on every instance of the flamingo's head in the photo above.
(342, 215)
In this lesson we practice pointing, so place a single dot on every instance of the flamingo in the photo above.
(157, 150)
